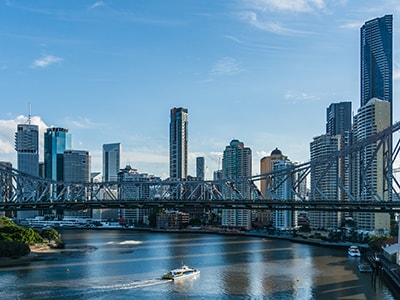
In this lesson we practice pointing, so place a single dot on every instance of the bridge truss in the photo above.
(20, 191)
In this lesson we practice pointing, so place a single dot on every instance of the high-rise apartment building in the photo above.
(377, 59)
(324, 183)
(237, 164)
(375, 114)
(132, 188)
(56, 141)
(27, 147)
(267, 166)
(200, 168)
(178, 143)
(370, 182)
(284, 219)
(111, 161)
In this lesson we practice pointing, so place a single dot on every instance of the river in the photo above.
(125, 264)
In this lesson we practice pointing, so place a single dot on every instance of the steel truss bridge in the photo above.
(20, 191)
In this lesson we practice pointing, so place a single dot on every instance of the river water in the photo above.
(114, 264)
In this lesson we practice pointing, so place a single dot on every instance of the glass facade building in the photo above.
(111, 161)
(56, 141)
(178, 143)
(377, 59)
(338, 118)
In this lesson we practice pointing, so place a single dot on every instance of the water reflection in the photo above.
(128, 264)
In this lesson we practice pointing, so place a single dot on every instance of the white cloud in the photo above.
(7, 135)
(298, 6)
(46, 61)
(296, 97)
(264, 23)
(352, 25)
(81, 122)
(97, 4)
(226, 66)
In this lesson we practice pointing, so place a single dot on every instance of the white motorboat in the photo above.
(181, 273)
(354, 251)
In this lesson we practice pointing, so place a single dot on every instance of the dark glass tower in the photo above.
(338, 118)
(377, 59)
(178, 143)
(56, 141)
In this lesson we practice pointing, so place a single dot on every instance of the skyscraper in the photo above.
(76, 166)
(237, 164)
(370, 168)
(200, 168)
(27, 147)
(267, 166)
(77, 169)
(284, 219)
(324, 183)
(178, 143)
(56, 141)
(338, 118)
(377, 59)
(111, 161)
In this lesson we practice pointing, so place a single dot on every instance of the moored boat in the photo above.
(181, 273)
(354, 251)
(364, 268)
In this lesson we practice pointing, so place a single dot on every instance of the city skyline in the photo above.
(120, 67)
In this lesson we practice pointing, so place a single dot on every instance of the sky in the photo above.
(261, 71)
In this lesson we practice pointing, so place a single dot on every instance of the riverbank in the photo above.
(302, 240)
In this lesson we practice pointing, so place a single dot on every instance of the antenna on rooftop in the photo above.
(29, 113)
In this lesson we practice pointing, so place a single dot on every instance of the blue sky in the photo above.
(261, 71)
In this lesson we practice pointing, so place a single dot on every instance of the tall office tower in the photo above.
(338, 118)
(178, 143)
(76, 166)
(267, 166)
(111, 161)
(27, 147)
(377, 60)
(324, 180)
(284, 219)
(77, 169)
(56, 141)
(370, 164)
(200, 168)
(237, 164)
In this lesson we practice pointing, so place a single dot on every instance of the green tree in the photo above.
(51, 235)
(376, 241)
(13, 249)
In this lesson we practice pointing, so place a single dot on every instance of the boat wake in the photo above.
(132, 285)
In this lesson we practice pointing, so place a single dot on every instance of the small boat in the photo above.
(354, 251)
(365, 268)
(181, 273)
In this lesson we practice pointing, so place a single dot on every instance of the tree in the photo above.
(376, 241)
(51, 235)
